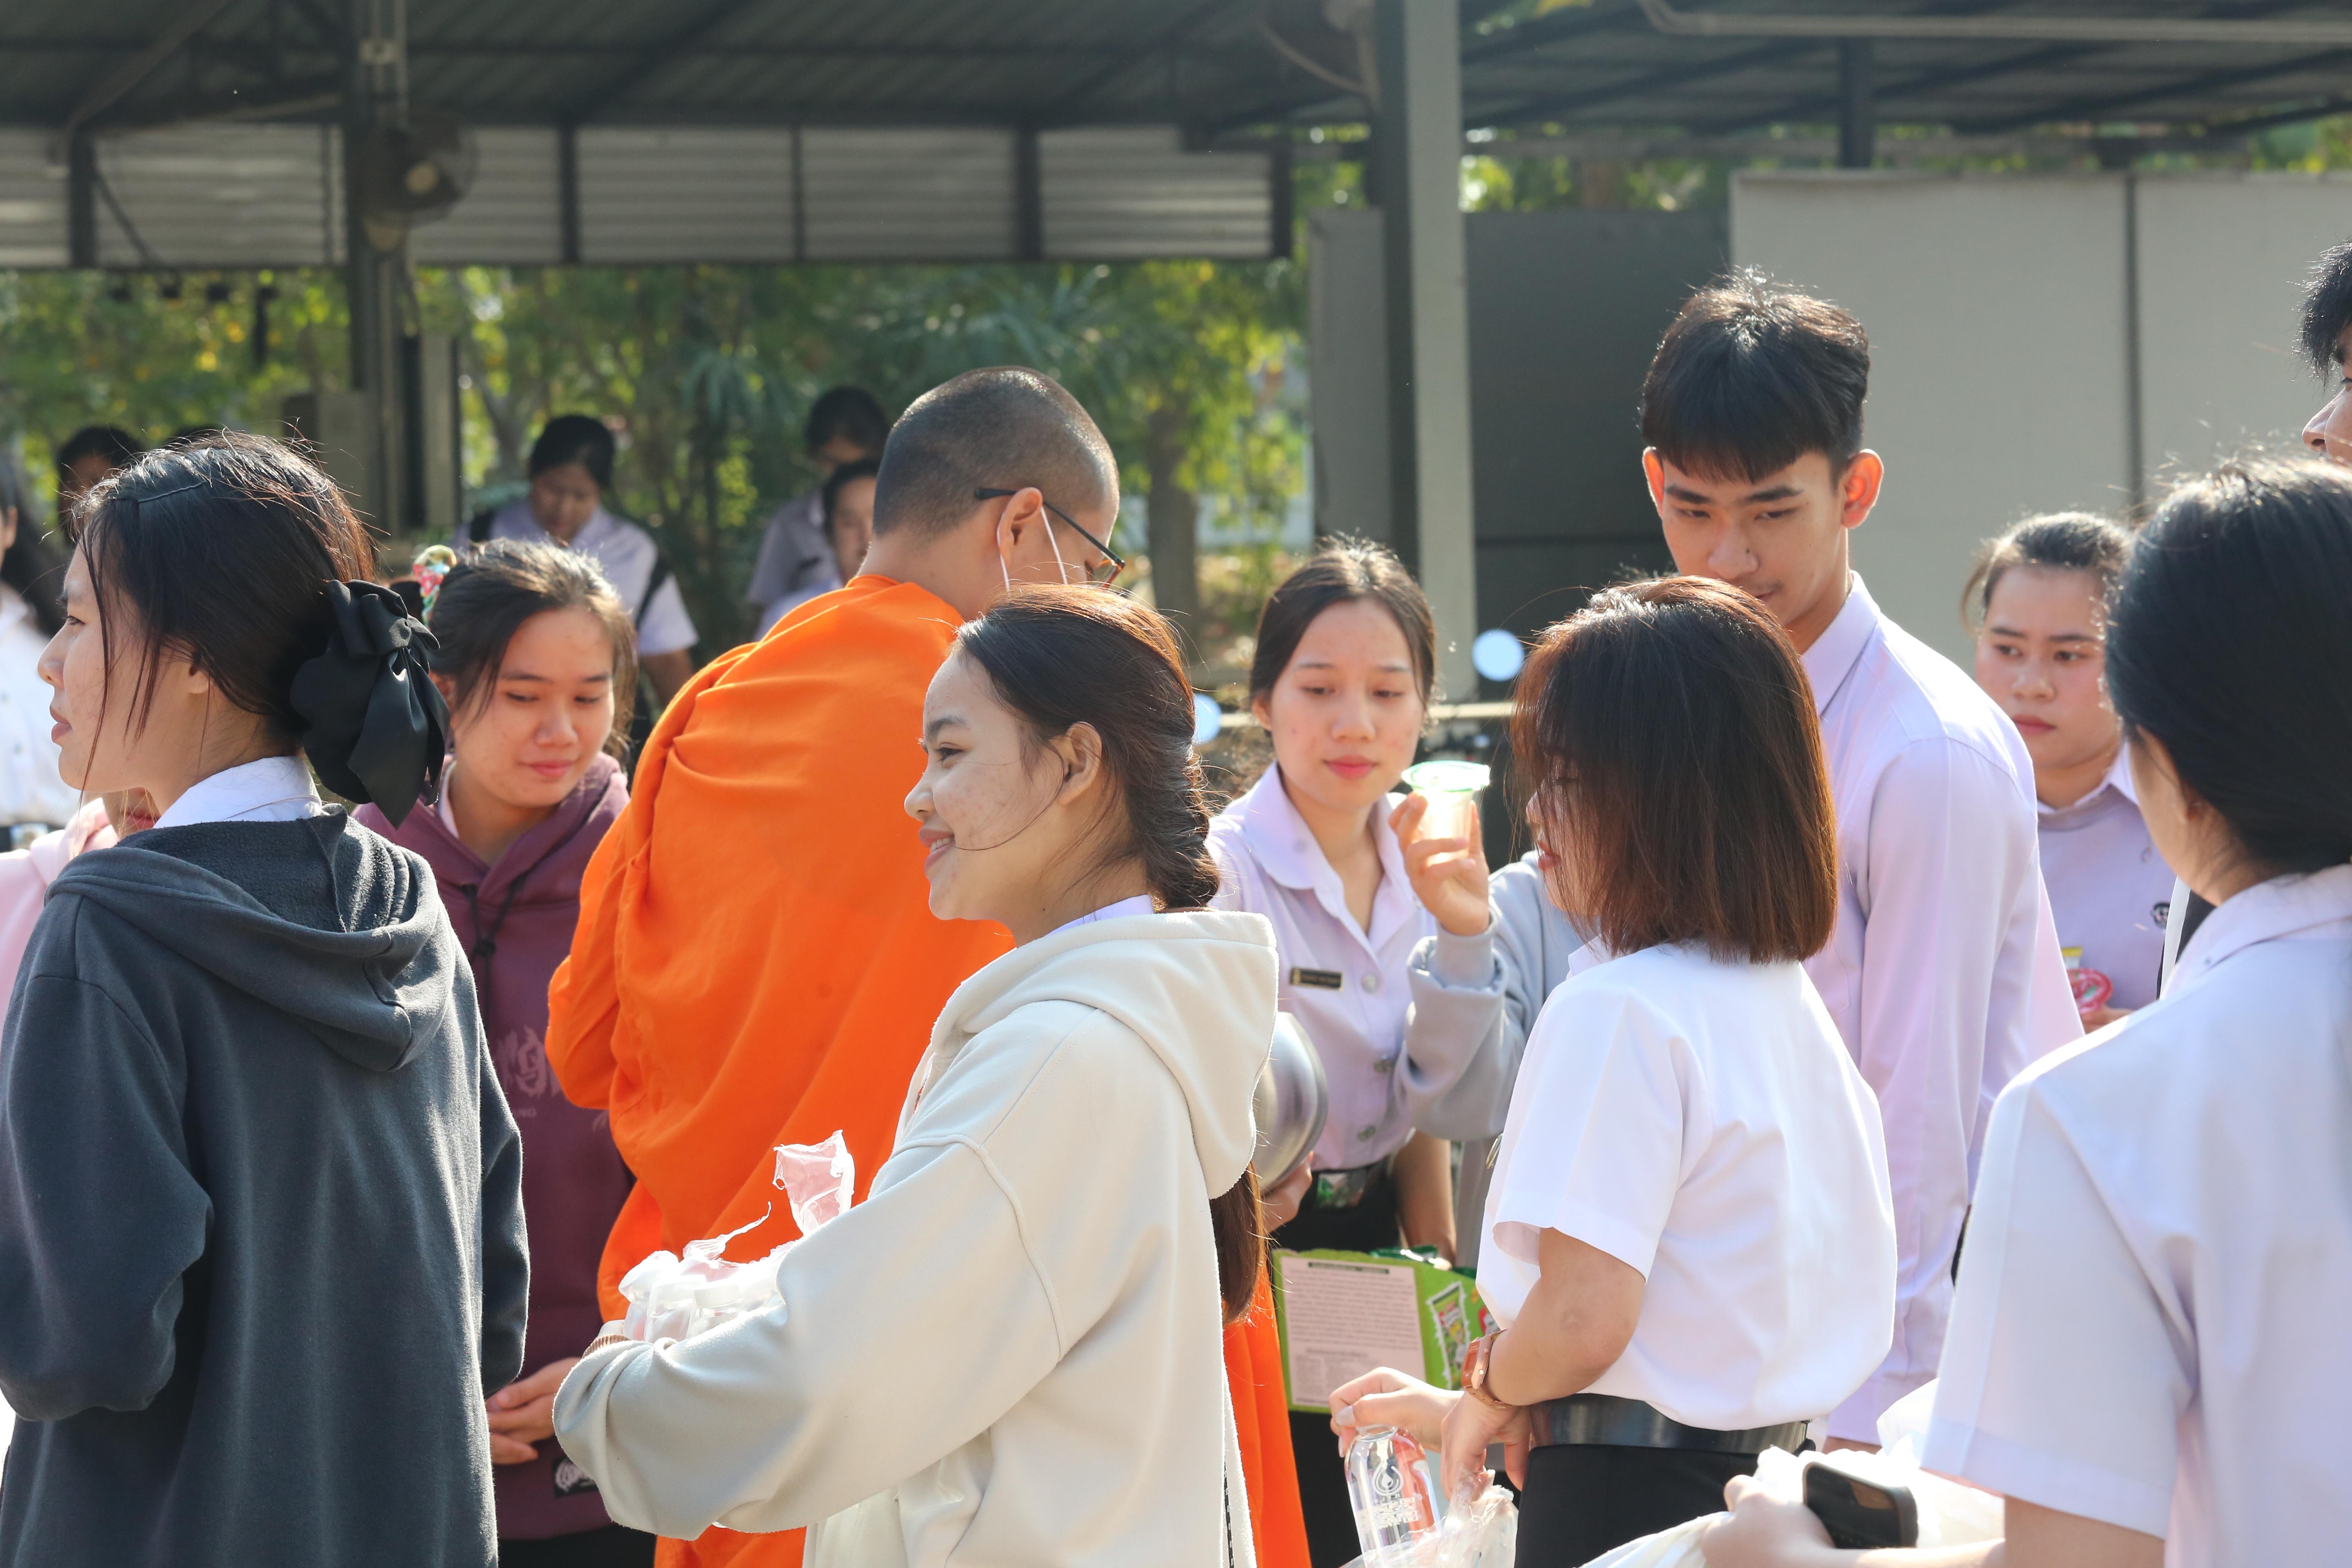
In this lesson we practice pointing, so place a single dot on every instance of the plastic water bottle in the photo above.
(1393, 1486)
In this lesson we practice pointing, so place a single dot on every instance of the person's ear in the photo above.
(1024, 509)
(1080, 748)
(1858, 488)
(1654, 468)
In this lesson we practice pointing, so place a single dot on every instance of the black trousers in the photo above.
(1581, 1501)
(610, 1547)
(1322, 1473)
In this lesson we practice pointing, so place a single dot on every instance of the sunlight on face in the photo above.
(563, 498)
(1780, 538)
(851, 525)
(92, 735)
(530, 732)
(982, 801)
(2041, 656)
(1347, 710)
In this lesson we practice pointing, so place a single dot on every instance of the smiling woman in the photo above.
(538, 668)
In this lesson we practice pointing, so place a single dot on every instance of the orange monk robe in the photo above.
(756, 961)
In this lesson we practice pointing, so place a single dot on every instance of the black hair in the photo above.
(493, 590)
(117, 446)
(2227, 640)
(575, 438)
(1002, 428)
(2058, 541)
(189, 434)
(1342, 570)
(1064, 656)
(846, 411)
(2326, 307)
(863, 468)
(223, 552)
(1753, 376)
(31, 565)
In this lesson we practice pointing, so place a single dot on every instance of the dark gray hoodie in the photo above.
(261, 1234)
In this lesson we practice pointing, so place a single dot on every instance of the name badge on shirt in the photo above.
(1320, 979)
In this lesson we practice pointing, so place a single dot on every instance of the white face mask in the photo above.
(1005, 565)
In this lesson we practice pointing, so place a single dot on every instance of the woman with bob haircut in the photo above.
(1012, 1351)
(2148, 1357)
(1689, 1237)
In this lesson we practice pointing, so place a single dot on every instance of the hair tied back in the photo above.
(372, 723)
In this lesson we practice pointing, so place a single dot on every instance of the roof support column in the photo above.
(1857, 105)
(375, 255)
(1419, 134)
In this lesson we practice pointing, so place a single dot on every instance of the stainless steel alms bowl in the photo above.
(1291, 1102)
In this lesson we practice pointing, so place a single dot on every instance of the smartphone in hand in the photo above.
(1860, 1514)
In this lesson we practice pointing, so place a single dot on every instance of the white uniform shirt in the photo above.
(795, 562)
(1700, 1120)
(2152, 1323)
(30, 789)
(2110, 891)
(274, 789)
(1943, 971)
(625, 554)
(1391, 1040)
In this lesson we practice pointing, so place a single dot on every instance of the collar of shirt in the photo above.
(1141, 904)
(600, 523)
(274, 789)
(1286, 848)
(2118, 779)
(1839, 647)
(2282, 907)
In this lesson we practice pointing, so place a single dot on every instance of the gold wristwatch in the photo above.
(1473, 1372)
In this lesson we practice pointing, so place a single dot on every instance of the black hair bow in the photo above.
(372, 723)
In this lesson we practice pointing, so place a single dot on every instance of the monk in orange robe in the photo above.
(756, 961)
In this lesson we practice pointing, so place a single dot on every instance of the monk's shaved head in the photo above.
(1004, 428)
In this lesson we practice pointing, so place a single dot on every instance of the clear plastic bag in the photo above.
(1402, 1519)
(674, 1298)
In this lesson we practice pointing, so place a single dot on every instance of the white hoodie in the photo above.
(1012, 1353)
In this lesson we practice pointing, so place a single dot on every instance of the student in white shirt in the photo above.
(1943, 971)
(2038, 600)
(31, 579)
(1690, 1240)
(797, 560)
(571, 472)
(1345, 662)
(2148, 1357)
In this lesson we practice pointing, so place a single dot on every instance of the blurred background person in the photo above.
(537, 666)
(33, 798)
(1386, 941)
(2037, 602)
(571, 468)
(845, 425)
(1690, 1239)
(87, 455)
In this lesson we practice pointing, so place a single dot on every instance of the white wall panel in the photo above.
(512, 214)
(1995, 309)
(1116, 192)
(907, 194)
(32, 201)
(685, 194)
(222, 196)
(2223, 258)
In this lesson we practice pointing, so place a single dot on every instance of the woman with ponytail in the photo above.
(1012, 1350)
(261, 1232)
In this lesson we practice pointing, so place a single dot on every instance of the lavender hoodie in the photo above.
(514, 918)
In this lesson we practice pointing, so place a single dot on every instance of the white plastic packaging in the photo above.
(674, 1298)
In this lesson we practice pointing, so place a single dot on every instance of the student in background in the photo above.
(243, 1050)
(2147, 1356)
(1690, 1241)
(537, 667)
(571, 473)
(87, 455)
(1341, 679)
(32, 576)
(849, 515)
(1943, 971)
(2038, 602)
(796, 560)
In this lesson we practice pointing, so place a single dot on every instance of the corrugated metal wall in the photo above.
(262, 196)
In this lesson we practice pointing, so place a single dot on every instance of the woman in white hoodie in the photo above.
(1012, 1352)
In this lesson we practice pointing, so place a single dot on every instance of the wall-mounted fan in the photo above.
(410, 173)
